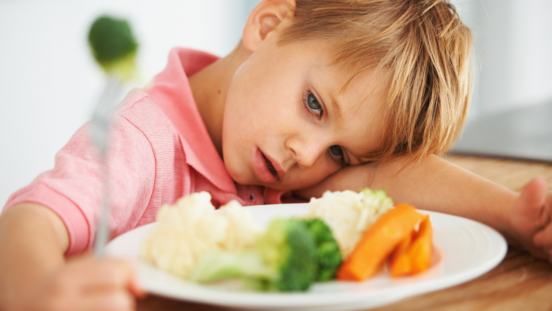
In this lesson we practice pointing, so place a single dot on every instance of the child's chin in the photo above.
(242, 179)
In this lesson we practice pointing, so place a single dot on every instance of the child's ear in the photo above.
(264, 18)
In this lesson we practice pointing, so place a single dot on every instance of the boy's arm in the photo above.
(437, 185)
(32, 244)
(34, 275)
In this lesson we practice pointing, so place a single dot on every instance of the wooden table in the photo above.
(519, 282)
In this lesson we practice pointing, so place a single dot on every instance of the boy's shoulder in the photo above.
(167, 100)
(165, 110)
(140, 110)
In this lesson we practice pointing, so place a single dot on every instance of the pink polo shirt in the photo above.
(159, 151)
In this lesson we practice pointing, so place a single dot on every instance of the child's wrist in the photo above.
(504, 211)
(510, 233)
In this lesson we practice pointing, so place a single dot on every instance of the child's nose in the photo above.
(305, 151)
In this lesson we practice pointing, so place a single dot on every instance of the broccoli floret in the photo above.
(220, 265)
(283, 259)
(288, 247)
(328, 254)
(114, 46)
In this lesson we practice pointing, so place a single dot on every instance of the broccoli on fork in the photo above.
(284, 259)
(114, 46)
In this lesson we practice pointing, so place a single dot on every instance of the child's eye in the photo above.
(336, 153)
(312, 103)
(336, 150)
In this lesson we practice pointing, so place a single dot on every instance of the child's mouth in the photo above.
(264, 168)
(270, 167)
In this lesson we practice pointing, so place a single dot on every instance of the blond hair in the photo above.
(425, 50)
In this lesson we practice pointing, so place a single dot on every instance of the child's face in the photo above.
(282, 129)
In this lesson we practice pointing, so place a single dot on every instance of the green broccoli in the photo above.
(283, 259)
(114, 47)
(328, 254)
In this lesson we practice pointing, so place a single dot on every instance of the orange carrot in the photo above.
(420, 251)
(378, 242)
(413, 255)
(400, 263)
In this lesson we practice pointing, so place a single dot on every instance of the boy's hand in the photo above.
(530, 219)
(87, 283)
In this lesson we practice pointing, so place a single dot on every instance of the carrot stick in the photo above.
(420, 251)
(378, 242)
(400, 263)
(413, 255)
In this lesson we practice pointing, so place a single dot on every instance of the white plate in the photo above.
(466, 250)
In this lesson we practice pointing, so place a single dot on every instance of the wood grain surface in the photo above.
(519, 282)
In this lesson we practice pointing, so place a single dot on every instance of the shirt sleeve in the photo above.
(73, 188)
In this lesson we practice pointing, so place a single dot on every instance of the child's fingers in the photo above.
(549, 202)
(136, 289)
(531, 202)
(108, 301)
(129, 277)
(534, 192)
(111, 300)
(126, 276)
(88, 283)
(110, 274)
(543, 238)
(549, 253)
(92, 274)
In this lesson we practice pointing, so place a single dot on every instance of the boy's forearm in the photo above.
(438, 185)
(32, 245)
(434, 184)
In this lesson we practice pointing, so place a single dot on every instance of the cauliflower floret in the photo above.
(190, 228)
(242, 230)
(183, 233)
(349, 214)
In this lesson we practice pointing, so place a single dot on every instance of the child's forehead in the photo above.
(324, 66)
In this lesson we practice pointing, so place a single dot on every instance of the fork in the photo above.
(99, 129)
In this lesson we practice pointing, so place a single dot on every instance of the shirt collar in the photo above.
(171, 91)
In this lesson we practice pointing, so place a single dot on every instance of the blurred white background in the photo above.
(513, 48)
(49, 82)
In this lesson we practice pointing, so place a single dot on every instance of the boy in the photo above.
(319, 95)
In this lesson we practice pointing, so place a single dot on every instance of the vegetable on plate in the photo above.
(328, 255)
(197, 243)
(283, 259)
(378, 242)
